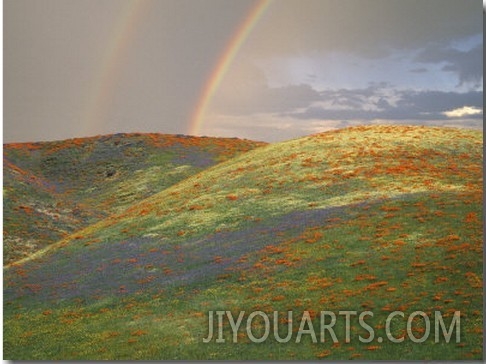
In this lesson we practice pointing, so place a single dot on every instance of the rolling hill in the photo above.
(375, 218)
(52, 189)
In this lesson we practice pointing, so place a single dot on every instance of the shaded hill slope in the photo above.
(384, 218)
(52, 189)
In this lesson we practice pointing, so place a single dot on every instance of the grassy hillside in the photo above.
(52, 189)
(375, 218)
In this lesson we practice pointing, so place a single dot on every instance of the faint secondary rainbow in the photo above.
(112, 61)
(224, 63)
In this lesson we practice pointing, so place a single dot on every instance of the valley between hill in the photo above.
(52, 189)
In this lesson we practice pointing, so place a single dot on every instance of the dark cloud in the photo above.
(399, 105)
(418, 70)
(435, 102)
(383, 104)
(293, 96)
(369, 28)
(246, 92)
(468, 65)
(380, 100)
(270, 100)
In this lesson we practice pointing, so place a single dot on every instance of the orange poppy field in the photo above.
(125, 246)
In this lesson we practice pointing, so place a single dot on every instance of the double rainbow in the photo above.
(121, 39)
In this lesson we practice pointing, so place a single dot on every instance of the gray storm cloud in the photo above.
(468, 65)
(55, 50)
(371, 28)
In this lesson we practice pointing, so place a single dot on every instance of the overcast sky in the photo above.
(76, 68)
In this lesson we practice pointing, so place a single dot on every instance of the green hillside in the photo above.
(379, 218)
(52, 189)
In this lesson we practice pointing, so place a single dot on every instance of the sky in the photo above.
(267, 70)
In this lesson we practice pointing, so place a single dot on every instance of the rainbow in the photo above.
(223, 64)
(111, 65)
(119, 43)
